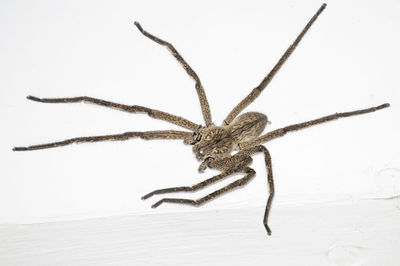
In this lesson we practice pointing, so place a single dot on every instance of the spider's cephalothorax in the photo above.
(217, 142)
(213, 142)
(213, 145)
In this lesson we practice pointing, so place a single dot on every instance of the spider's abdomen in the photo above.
(247, 126)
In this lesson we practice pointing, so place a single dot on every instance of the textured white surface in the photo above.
(347, 234)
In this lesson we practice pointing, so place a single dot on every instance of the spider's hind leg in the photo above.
(192, 188)
(238, 183)
(229, 166)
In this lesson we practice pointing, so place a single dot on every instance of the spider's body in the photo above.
(217, 142)
(213, 145)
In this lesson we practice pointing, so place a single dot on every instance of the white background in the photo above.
(348, 60)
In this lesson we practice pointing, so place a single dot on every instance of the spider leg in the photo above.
(233, 169)
(238, 183)
(192, 188)
(147, 135)
(177, 120)
(282, 131)
(267, 157)
(205, 108)
(257, 91)
(268, 163)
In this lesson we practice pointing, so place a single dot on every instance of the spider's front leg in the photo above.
(199, 87)
(147, 135)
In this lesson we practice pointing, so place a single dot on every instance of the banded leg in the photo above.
(147, 135)
(233, 169)
(177, 120)
(268, 164)
(267, 157)
(282, 131)
(257, 91)
(238, 183)
(205, 108)
(192, 188)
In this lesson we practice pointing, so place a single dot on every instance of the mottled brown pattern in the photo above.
(213, 145)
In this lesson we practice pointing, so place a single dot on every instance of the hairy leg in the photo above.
(177, 120)
(282, 131)
(257, 91)
(233, 168)
(199, 87)
(238, 183)
(192, 188)
(268, 164)
(267, 157)
(147, 135)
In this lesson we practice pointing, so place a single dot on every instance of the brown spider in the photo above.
(213, 145)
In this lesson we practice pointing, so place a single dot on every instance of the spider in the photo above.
(227, 148)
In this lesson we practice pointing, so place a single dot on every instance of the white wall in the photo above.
(348, 60)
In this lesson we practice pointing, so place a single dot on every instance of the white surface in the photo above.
(348, 60)
(356, 233)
